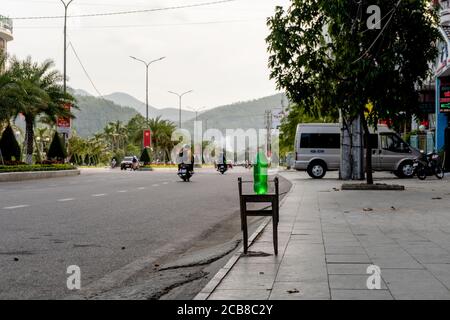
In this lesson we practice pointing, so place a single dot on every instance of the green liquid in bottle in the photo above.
(261, 185)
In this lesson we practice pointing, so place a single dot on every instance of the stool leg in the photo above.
(275, 234)
(245, 230)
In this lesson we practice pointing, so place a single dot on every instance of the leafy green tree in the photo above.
(325, 56)
(10, 149)
(87, 160)
(57, 150)
(162, 131)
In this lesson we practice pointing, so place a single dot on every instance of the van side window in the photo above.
(320, 141)
(392, 142)
(373, 141)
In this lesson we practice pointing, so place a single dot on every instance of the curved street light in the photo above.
(180, 96)
(147, 65)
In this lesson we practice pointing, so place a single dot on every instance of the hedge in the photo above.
(36, 167)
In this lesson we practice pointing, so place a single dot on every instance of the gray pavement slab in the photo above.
(340, 294)
(329, 241)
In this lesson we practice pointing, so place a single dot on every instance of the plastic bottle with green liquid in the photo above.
(260, 174)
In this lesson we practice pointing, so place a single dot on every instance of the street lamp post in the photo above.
(180, 96)
(66, 7)
(197, 111)
(147, 65)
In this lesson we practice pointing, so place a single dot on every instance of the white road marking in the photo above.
(165, 183)
(66, 200)
(155, 185)
(141, 188)
(16, 207)
(122, 191)
(99, 195)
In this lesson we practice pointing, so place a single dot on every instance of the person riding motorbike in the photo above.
(222, 161)
(186, 157)
(135, 163)
(113, 163)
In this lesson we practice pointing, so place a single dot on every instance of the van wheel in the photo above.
(317, 170)
(405, 170)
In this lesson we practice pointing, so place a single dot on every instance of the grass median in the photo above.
(36, 168)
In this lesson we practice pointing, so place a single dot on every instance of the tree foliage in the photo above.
(57, 150)
(9, 147)
(325, 56)
(145, 156)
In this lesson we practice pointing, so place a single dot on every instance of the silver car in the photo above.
(317, 148)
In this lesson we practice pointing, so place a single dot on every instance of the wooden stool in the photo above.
(273, 212)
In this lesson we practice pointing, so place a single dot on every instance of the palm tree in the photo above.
(8, 92)
(162, 131)
(40, 93)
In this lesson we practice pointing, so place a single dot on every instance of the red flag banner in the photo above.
(147, 139)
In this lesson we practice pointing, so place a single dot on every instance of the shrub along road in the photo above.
(113, 225)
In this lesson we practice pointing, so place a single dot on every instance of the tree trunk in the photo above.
(29, 138)
(357, 149)
(345, 172)
(38, 153)
(369, 174)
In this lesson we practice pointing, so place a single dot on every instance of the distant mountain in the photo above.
(79, 92)
(127, 100)
(241, 115)
(96, 113)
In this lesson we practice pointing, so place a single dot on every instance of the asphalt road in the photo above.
(103, 221)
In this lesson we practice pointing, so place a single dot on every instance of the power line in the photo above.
(126, 12)
(384, 17)
(85, 71)
(149, 25)
(380, 34)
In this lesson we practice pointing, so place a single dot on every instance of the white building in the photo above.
(6, 32)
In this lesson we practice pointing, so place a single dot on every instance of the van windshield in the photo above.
(392, 142)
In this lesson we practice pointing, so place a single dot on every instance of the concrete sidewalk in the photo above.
(328, 239)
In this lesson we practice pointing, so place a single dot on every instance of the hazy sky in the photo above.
(219, 51)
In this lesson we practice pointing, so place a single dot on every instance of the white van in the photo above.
(317, 148)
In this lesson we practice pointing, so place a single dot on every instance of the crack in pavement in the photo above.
(156, 283)
(193, 261)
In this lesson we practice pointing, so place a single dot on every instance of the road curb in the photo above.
(212, 285)
(217, 279)
(22, 176)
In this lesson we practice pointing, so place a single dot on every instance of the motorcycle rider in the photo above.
(222, 160)
(186, 157)
(135, 163)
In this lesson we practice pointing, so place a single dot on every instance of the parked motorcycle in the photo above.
(222, 168)
(184, 172)
(428, 164)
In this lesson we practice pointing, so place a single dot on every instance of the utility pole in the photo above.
(268, 119)
(147, 65)
(180, 97)
(66, 7)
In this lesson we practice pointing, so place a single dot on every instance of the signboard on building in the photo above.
(444, 95)
(147, 138)
(63, 124)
